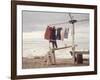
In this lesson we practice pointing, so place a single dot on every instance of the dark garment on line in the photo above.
(66, 33)
(59, 33)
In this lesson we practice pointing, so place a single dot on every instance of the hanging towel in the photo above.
(59, 33)
(62, 35)
(48, 33)
(66, 32)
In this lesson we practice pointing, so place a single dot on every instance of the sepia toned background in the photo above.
(34, 27)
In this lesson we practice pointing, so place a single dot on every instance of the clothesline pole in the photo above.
(73, 21)
(73, 41)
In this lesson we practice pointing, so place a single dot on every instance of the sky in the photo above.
(35, 21)
(34, 26)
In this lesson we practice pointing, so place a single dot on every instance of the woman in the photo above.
(53, 37)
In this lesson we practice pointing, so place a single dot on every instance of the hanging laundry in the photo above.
(66, 32)
(48, 33)
(59, 33)
(62, 35)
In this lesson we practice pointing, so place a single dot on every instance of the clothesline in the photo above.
(58, 23)
(68, 22)
(52, 34)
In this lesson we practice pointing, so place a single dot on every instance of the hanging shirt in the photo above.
(59, 33)
(66, 32)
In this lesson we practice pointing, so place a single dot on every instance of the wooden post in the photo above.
(73, 43)
(54, 58)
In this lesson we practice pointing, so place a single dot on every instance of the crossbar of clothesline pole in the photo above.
(62, 47)
(83, 20)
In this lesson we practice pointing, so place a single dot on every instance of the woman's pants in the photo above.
(54, 44)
